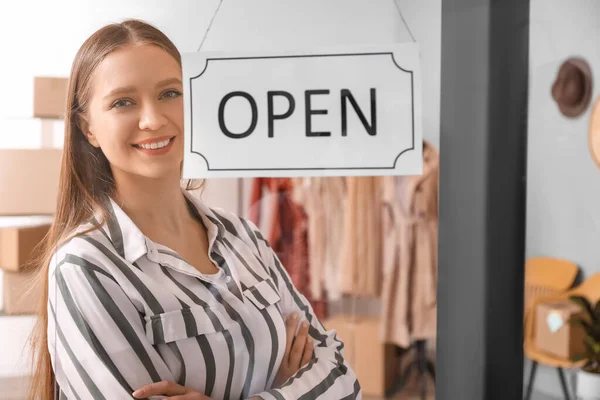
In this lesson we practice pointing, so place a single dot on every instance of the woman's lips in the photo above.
(153, 140)
(157, 151)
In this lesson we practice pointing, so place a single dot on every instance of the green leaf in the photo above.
(597, 312)
(579, 321)
(586, 326)
(579, 357)
(585, 305)
(589, 351)
(594, 345)
(589, 367)
(575, 320)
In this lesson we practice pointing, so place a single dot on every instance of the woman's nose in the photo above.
(152, 118)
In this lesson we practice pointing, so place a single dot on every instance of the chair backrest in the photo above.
(589, 288)
(546, 276)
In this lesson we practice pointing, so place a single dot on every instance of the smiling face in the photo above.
(135, 112)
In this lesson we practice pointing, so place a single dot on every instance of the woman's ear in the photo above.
(84, 125)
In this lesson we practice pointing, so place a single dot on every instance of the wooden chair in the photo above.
(545, 278)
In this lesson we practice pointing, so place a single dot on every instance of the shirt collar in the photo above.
(212, 221)
(131, 244)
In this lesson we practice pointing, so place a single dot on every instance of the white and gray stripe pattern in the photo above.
(125, 312)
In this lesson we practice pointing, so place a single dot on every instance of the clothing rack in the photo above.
(409, 204)
(420, 365)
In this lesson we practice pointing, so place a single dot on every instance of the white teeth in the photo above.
(155, 145)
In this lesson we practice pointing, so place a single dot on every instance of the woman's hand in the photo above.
(298, 350)
(172, 390)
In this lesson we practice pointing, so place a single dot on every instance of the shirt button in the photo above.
(228, 279)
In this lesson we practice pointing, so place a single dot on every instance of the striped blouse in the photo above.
(125, 311)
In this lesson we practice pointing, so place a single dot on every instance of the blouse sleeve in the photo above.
(96, 338)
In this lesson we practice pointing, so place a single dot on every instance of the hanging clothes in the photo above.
(360, 266)
(288, 233)
(283, 214)
(410, 234)
(323, 200)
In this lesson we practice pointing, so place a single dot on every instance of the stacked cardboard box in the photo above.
(28, 193)
(20, 237)
(373, 361)
(49, 97)
(29, 181)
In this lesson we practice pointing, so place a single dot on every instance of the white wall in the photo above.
(563, 216)
(563, 181)
(41, 38)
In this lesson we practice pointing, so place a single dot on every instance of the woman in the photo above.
(148, 290)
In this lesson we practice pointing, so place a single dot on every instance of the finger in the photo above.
(299, 344)
(189, 396)
(308, 351)
(164, 387)
(290, 328)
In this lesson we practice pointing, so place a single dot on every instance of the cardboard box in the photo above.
(20, 296)
(29, 181)
(345, 328)
(49, 97)
(373, 361)
(19, 237)
(554, 334)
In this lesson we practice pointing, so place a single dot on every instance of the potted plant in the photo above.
(588, 377)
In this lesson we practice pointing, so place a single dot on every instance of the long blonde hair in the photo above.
(85, 178)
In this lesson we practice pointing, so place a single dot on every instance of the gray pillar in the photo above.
(485, 51)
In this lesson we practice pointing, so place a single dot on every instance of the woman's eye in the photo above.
(171, 94)
(120, 103)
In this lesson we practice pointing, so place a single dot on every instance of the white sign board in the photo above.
(344, 112)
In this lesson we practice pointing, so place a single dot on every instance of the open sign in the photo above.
(350, 112)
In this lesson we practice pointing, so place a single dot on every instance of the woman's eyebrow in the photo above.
(132, 89)
(169, 81)
(121, 90)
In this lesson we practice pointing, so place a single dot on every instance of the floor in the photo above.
(13, 389)
(411, 392)
(414, 396)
